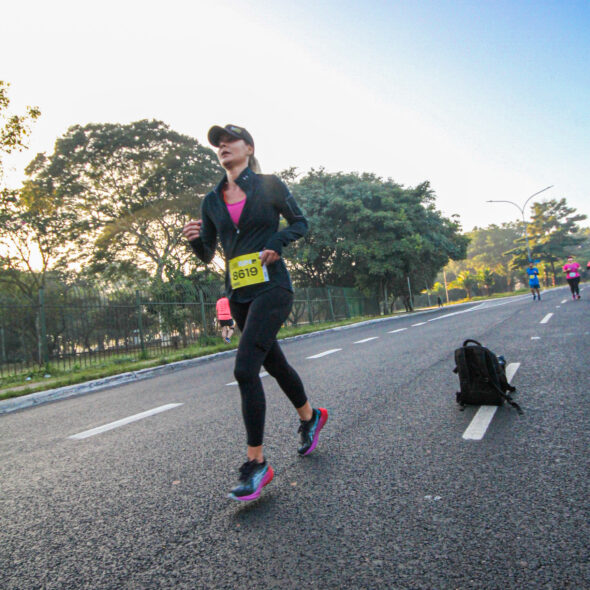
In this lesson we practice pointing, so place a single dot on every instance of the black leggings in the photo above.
(259, 321)
(574, 285)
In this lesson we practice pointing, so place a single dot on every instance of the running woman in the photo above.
(243, 212)
(533, 273)
(572, 275)
(224, 318)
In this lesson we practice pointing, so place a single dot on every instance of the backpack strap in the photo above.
(506, 397)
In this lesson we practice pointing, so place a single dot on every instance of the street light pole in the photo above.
(522, 210)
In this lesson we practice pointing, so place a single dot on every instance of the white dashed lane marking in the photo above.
(483, 417)
(123, 421)
(535, 337)
(546, 318)
(366, 340)
(325, 353)
(418, 324)
(398, 330)
(564, 301)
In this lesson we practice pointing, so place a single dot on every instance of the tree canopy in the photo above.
(14, 129)
(370, 233)
(119, 195)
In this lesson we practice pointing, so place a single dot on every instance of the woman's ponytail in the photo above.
(254, 165)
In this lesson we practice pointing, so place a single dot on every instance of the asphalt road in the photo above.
(393, 497)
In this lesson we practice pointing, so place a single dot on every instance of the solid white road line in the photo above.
(122, 422)
(511, 369)
(418, 324)
(321, 354)
(546, 318)
(263, 374)
(366, 340)
(478, 426)
(398, 330)
(483, 417)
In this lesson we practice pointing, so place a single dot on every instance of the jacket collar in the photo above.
(244, 181)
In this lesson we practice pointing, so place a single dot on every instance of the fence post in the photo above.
(139, 321)
(43, 348)
(410, 296)
(309, 307)
(203, 315)
(346, 304)
(331, 306)
(3, 344)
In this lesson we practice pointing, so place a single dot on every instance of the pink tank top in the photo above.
(235, 209)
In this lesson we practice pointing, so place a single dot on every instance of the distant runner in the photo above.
(224, 318)
(243, 213)
(533, 273)
(572, 275)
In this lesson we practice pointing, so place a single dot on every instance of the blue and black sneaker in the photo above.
(310, 431)
(253, 477)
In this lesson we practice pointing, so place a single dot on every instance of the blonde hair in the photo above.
(254, 165)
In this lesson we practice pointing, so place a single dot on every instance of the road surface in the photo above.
(126, 488)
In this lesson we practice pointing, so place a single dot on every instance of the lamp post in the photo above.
(522, 210)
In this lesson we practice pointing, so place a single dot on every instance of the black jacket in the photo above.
(267, 197)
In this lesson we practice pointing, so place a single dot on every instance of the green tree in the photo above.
(488, 247)
(486, 277)
(371, 234)
(16, 243)
(124, 193)
(14, 129)
(466, 281)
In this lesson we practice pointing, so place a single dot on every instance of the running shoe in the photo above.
(310, 431)
(253, 477)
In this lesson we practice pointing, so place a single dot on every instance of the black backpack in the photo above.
(482, 377)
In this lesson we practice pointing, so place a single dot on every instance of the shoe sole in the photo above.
(265, 480)
(323, 420)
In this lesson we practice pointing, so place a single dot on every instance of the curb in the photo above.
(42, 397)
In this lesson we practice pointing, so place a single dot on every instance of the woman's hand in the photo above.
(192, 230)
(269, 257)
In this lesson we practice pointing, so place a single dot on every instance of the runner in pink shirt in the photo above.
(572, 275)
(224, 318)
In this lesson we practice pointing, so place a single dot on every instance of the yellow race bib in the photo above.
(247, 270)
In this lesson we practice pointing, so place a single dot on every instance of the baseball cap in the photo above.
(234, 130)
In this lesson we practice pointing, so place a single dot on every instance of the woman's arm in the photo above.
(202, 236)
(289, 209)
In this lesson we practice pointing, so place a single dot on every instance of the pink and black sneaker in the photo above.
(253, 477)
(310, 431)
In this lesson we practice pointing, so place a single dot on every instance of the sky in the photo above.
(486, 100)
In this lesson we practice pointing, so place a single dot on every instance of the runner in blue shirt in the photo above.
(533, 273)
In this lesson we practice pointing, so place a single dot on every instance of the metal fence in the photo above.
(80, 326)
